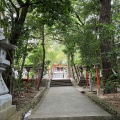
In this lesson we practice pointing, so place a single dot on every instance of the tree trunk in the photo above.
(105, 20)
(23, 61)
(72, 60)
(73, 72)
(68, 66)
(17, 26)
(15, 33)
(18, 23)
(43, 60)
(78, 70)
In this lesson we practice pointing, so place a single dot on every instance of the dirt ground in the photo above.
(21, 99)
(114, 99)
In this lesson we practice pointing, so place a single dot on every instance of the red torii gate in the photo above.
(58, 67)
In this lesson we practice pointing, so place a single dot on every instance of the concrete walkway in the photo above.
(66, 103)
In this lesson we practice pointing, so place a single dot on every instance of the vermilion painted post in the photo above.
(97, 75)
(28, 80)
(36, 81)
(98, 78)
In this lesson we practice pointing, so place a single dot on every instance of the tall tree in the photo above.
(105, 37)
(17, 11)
(43, 57)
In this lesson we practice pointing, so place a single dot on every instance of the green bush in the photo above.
(110, 87)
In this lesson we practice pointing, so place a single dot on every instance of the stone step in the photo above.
(82, 81)
(60, 85)
(64, 79)
(6, 113)
(76, 118)
(57, 85)
(53, 81)
(60, 82)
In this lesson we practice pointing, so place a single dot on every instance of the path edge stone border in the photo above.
(19, 115)
(113, 110)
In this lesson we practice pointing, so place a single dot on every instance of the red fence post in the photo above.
(36, 81)
(28, 80)
(98, 78)
(96, 66)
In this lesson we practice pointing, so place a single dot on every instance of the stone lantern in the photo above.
(6, 107)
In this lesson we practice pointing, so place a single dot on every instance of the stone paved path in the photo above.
(66, 103)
